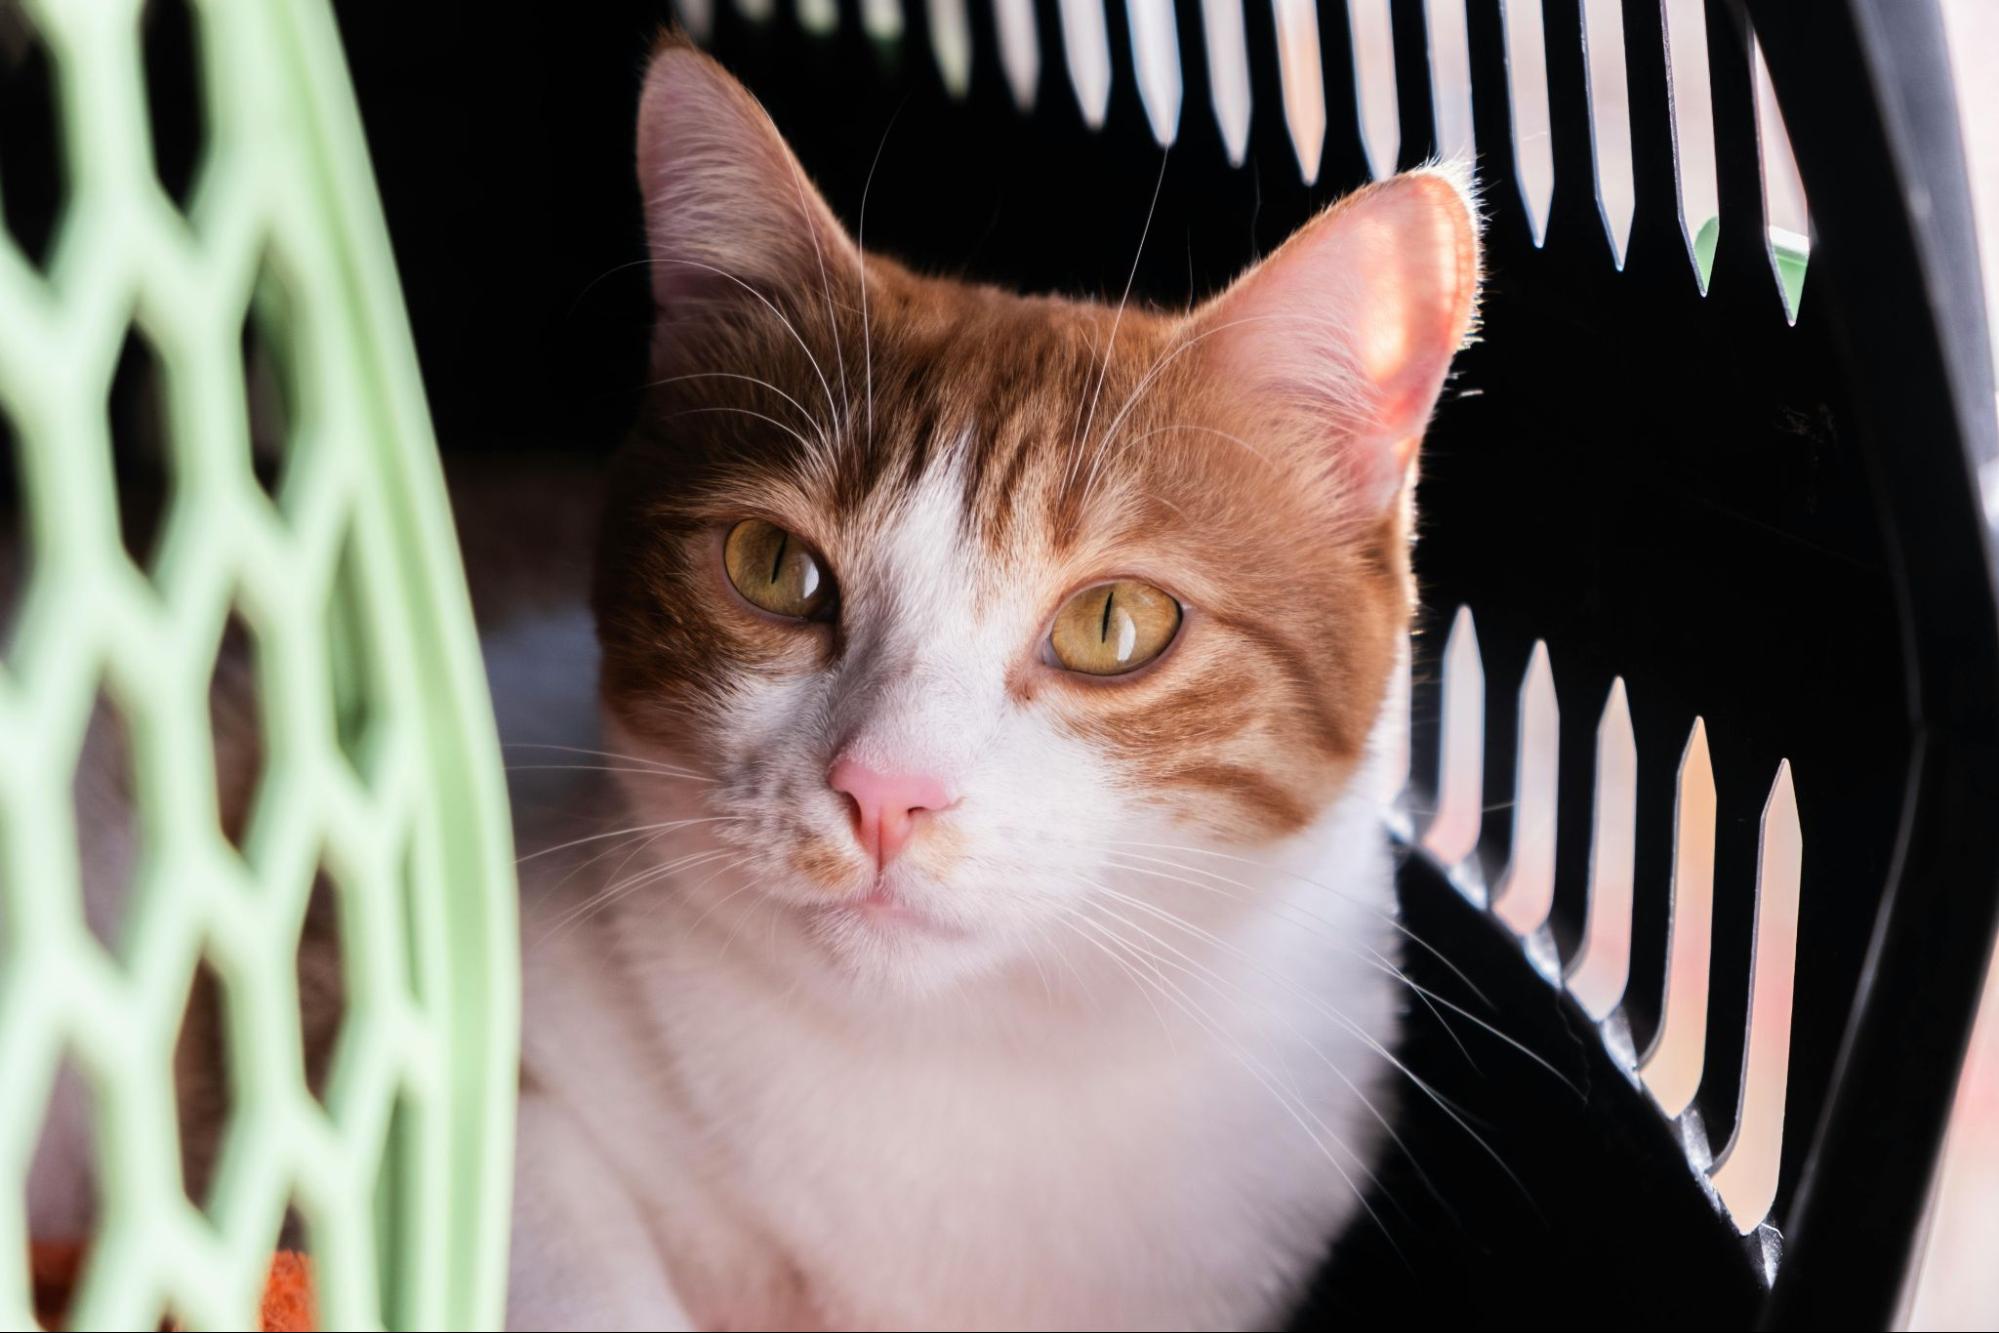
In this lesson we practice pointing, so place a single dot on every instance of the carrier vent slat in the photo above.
(1658, 234)
(1370, 61)
(1303, 81)
(1492, 126)
(1019, 49)
(1399, 765)
(819, 17)
(1415, 83)
(1744, 271)
(1784, 205)
(1426, 80)
(1450, 79)
(1610, 119)
(951, 43)
(1746, 1171)
(1744, 1176)
(1453, 831)
(1228, 73)
(1533, 137)
(1086, 51)
(1527, 891)
(882, 19)
(1575, 213)
(1155, 59)
(1604, 963)
(1693, 122)
(1344, 163)
(697, 16)
(1672, 1068)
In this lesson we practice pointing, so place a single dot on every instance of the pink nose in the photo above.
(886, 805)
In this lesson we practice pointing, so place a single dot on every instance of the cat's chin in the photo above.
(889, 917)
(889, 946)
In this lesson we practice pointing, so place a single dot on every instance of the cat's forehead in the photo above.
(1035, 413)
(1016, 442)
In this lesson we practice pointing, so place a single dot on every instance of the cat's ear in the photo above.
(727, 206)
(1348, 329)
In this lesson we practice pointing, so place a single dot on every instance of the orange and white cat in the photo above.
(995, 926)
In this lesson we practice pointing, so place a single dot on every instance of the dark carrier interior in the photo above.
(1772, 527)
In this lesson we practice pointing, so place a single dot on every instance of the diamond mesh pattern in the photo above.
(378, 763)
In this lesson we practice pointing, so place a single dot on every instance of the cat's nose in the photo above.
(885, 805)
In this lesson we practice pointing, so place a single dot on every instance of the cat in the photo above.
(983, 917)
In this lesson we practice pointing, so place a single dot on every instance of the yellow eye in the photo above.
(1114, 628)
(776, 572)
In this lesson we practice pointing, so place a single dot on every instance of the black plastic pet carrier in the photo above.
(1703, 819)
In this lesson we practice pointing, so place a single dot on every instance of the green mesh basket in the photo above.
(380, 772)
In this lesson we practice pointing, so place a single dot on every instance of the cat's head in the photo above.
(956, 601)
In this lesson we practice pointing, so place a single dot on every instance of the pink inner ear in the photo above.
(1354, 321)
(725, 200)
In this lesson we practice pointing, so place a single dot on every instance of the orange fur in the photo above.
(1090, 442)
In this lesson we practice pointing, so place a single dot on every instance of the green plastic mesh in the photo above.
(379, 772)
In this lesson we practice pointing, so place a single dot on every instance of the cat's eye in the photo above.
(1114, 628)
(776, 572)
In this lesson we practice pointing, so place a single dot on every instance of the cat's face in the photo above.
(958, 601)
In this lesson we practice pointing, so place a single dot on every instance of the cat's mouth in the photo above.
(884, 911)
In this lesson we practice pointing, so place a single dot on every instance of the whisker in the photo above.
(825, 289)
(1250, 897)
(606, 768)
(1061, 956)
(811, 420)
(1110, 341)
(631, 832)
(1400, 927)
(1316, 1002)
(745, 412)
(721, 902)
(1491, 808)
(640, 848)
(1098, 464)
(1374, 959)
(1174, 353)
(1443, 1103)
(1209, 977)
(601, 754)
(861, 245)
(736, 929)
(1034, 956)
(782, 319)
(603, 898)
(1071, 920)
(1234, 1049)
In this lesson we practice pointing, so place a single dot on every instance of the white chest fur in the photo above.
(1174, 1151)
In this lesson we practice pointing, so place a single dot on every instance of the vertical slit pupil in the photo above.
(777, 561)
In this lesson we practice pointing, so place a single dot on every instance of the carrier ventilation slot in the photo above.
(1743, 1175)
(951, 43)
(1019, 49)
(1155, 58)
(1304, 84)
(1527, 54)
(1086, 50)
(1527, 88)
(1375, 90)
